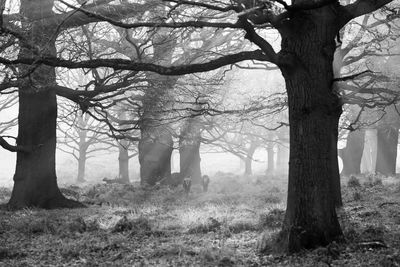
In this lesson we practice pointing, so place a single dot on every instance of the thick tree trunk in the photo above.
(81, 167)
(335, 179)
(35, 181)
(155, 159)
(123, 160)
(271, 155)
(352, 153)
(387, 150)
(314, 111)
(156, 144)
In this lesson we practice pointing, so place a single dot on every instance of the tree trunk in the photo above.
(81, 167)
(271, 155)
(123, 160)
(352, 153)
(282, 160)
(248, 166)
(190, 162)
(156, 144)
(335, 179)
(189, 150)
(387, 150)
(249, 158)
(314, 111)
(368, 160)
(83, 147)
(35, 181)
(155, 159)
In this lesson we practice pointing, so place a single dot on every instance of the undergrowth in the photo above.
(234, 224)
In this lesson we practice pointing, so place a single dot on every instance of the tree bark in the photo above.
(35, 181)
(352, 153)
(387, 150)
(335, 179)
(314, 111)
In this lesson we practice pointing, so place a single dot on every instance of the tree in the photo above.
(271, 158)
(35, 182)
(352, 153)
(387, 141)
(308, 30)
(83, 137)
(368, 44)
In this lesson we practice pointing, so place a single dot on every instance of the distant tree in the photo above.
(367, 46)
(81, 136)
(270, 158)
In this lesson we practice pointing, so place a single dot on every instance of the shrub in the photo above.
(140, 225)
(7, 253)
(241, 226)
(377, 181)
(35, 226)
(272, 219)
(357, 196)
(123, 225)
(353, 182)
(78, 225)
(272, 199)
(211, 225)
(70, 251)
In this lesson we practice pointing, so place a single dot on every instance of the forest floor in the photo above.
(129, 226)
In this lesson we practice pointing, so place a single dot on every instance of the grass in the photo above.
(227, 226)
